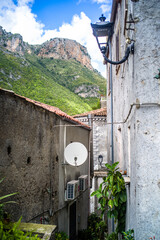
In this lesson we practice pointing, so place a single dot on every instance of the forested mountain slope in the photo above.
(57, 73)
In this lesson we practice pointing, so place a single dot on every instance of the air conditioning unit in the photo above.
(72, 189)
(83, 182)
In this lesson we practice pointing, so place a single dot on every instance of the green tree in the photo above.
(112, 196)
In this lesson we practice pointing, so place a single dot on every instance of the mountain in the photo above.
(57, 72)
(60, 48)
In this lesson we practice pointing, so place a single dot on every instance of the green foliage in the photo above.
(71, 74)
(128, 235)
(3, 203)
(61, 236)
(12, 232)
(8, 230)
(96, 229)
(51, 81)
(112, 196)
(112, 236)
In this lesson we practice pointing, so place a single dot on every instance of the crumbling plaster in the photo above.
(137, 127)
(32, 143)
(26, 153)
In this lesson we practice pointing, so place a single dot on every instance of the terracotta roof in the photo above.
(50, 108)
(97, 112)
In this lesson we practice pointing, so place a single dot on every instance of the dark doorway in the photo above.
(72, 222)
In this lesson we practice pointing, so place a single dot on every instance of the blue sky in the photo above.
(53, 13)
(40, 20)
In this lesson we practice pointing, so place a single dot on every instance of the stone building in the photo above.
(33, 137)
(136, 110)
(97, 120)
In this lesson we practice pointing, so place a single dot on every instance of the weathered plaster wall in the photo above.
(32, 143)
(27, 156)
(99, 136)
(99, 140)
(71, 133)
(99, 133)
(136, 141)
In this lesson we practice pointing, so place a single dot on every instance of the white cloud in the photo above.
(100, 1)
(105, 6)
(4, 5)
(103, 1)
(25, 2)
(19, 19)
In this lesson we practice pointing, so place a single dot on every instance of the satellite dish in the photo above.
(75, 154)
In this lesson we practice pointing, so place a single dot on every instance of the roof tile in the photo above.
(97, 112)
(50, 108)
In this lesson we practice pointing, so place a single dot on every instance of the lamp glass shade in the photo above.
(102, 29)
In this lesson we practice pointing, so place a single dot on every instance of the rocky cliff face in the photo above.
(60, 48)
(57, 48)
(13, 42)
(87, 91)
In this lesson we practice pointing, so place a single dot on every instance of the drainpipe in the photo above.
(89, 171)
(65, 171)
(90, 123)
(111, 88)
(51, 190)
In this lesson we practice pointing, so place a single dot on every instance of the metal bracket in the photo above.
(132, 48)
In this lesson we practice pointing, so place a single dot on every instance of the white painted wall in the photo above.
(137, 141)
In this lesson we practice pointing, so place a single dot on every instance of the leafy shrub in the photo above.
(61, 236)
(128, 235)
(112, 196)
(8, 230)
(3, 203)
(112, 236)
(12, 232)
(96, 229)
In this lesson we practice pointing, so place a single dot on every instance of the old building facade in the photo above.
(136, 110)
(33, 137)
(97, 120)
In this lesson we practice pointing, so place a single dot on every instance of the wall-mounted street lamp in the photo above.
(105, 29)
(100, 159)
(101, 30)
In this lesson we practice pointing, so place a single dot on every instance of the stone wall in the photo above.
(32, 143)
(136, 97)
(27, 157)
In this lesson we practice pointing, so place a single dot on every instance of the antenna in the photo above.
(75, 154)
